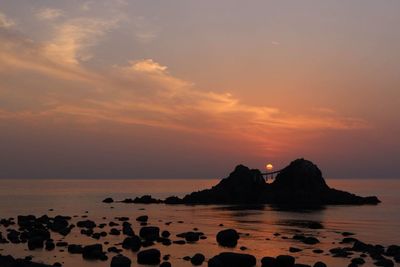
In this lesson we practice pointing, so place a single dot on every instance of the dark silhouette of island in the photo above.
(299, 184)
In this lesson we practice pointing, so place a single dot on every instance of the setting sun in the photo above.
(269, 166)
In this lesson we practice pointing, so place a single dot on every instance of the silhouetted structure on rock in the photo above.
(300, 183)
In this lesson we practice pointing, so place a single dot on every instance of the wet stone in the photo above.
(120, 261)
(149, 256)
(228, 238)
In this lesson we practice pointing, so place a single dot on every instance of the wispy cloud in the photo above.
(5, 21)
(73, 39)
(48, 13)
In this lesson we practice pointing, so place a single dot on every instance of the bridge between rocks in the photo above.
(270, 175)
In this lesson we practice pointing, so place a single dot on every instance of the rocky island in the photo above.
(299, 184)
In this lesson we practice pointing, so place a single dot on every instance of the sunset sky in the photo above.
(189, 89)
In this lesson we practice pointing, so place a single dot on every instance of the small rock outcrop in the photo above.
(108, 200)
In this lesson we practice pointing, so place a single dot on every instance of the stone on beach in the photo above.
(86, 224)
(150, 233)
(94, 252)
(108, 200)
(149, 256)
(75, 249)
(120, 261)
(197, 259)
(127, 229)
(142, 218)
(133, 243)
(232, 259)
(190, 236)
(285, 261)
(228, 238)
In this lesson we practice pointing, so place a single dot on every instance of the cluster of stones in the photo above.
(36, 233)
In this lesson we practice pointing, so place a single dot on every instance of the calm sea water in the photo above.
(374, 224)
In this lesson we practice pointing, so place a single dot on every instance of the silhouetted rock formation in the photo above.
(300, 183)
(242, 186)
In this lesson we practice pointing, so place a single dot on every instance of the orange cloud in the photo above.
(142, 92)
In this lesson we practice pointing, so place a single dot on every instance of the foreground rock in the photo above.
(149, 256)
(94, 252)
(231, 259)
(133, 243)
(228, 238)
(280, 261)
(197, 259)
(150, 233)
(300, 183)
(120, 261)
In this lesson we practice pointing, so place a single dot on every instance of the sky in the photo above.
(120, 89)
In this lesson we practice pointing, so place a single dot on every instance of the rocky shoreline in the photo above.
(51, 233)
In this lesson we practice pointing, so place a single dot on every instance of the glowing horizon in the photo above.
(115, 88)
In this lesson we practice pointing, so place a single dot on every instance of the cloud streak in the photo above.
(48, 13)
(6, 22)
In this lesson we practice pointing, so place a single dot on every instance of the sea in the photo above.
(264, 230)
